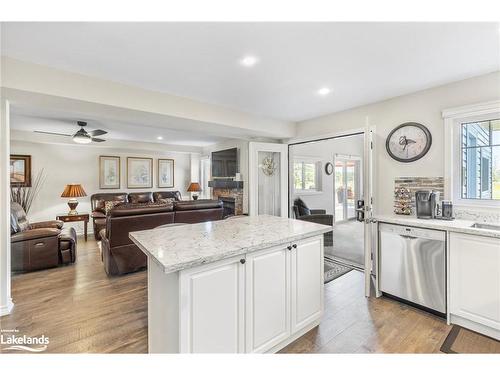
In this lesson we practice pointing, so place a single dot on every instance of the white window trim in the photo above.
(319, 183)
(453, 117)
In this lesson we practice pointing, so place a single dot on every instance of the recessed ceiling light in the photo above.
(324, 91)
(249, 61)
(159, 138)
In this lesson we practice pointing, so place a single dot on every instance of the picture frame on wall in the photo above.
(139, 173)
(20, 170)
(109, 172)
(166, 171)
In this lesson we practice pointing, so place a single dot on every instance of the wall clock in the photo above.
(408, 142)
(328, 168)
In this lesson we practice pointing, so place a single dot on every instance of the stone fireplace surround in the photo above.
(230, 189)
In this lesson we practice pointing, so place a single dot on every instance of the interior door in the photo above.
(268, 179)
(370, 225)
(346, 187)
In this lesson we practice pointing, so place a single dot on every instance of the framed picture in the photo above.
(20, 170)
(109, 172)
(165, 173)
(139, 173)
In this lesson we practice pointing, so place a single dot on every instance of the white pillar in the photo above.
(6, 304)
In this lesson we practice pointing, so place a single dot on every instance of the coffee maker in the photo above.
(426, 204)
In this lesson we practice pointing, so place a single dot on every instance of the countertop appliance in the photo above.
(426, 204)
(412, 264)
(447, 210)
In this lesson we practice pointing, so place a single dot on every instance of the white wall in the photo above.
(243, 155)
(424, 107)
(325, 151)
(64, 164)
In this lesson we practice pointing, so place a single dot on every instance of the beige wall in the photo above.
(424, 107)
(64, 164)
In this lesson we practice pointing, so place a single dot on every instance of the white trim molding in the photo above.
(6, 304)
(452, 118)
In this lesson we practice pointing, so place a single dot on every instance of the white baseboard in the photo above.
(6, 309)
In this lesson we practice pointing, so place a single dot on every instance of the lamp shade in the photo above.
(73, 191)
(194, 186)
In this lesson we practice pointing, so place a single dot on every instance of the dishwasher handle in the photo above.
(408, 237)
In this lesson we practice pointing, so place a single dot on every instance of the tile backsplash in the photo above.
(415, 184)
(437, 184)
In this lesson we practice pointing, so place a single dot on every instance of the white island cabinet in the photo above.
(245, 285)
(475, 283)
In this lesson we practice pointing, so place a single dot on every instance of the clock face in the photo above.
(408, 142)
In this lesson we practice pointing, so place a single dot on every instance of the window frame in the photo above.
(453, 120)
(317, 173)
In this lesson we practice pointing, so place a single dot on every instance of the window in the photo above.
(306, 175)
(480, 154)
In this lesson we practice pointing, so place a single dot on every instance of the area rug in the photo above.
(334, 270)
(461, 341)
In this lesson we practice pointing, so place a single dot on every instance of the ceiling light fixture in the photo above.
(324, 91)
(249, 61)
(159, 138)
(83, 138)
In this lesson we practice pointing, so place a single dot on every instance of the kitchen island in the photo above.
(241, 285)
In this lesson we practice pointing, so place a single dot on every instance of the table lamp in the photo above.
(194, 187)
(73, 191)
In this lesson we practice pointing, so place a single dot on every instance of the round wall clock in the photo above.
(328, 168)
(408, 142)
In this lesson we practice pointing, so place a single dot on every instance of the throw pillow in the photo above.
(166, 200)
(303, 209)
(109, 205)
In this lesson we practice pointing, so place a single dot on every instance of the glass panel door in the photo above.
(347, 178)
(268, 179)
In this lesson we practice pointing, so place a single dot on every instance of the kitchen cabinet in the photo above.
(267, 298)
(212, 300)
(475, 283)
(253, 303)
(307, 283)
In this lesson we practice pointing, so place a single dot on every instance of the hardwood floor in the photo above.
(82, 310)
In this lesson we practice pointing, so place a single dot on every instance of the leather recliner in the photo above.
(319, 216)
(41, 245)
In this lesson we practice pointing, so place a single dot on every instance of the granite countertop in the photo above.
(180, 247)
(461, 226)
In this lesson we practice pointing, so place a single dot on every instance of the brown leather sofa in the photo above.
(97, 202)
(36, 246)
(120, 255)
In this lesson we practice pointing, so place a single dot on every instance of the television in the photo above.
(225, 163)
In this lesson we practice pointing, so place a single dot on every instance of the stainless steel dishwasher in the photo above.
(413, 265)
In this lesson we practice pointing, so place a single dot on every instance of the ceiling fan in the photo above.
(81, 136)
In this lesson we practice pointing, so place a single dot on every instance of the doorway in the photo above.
(327, 177)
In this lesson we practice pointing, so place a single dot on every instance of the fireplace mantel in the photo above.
(225, 184)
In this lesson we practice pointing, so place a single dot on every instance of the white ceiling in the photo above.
(360, 62)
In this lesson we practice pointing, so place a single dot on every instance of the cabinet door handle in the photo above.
(294, 245)
(289, 247)
(242, 261)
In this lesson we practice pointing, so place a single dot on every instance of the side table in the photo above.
(78, 217)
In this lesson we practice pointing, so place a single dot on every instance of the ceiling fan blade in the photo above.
(95, 133)
(65, 135)
(98, 140)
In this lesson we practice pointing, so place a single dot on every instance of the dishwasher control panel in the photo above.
(404, 230)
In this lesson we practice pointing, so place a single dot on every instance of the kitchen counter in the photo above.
(180, 247)
(460, 226)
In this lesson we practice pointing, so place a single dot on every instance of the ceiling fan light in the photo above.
(82, 138)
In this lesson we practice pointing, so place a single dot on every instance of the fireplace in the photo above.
(230, 193)
(229, 205)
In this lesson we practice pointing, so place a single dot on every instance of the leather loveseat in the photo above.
(120, 255)
(41, 245)
(97, 202)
